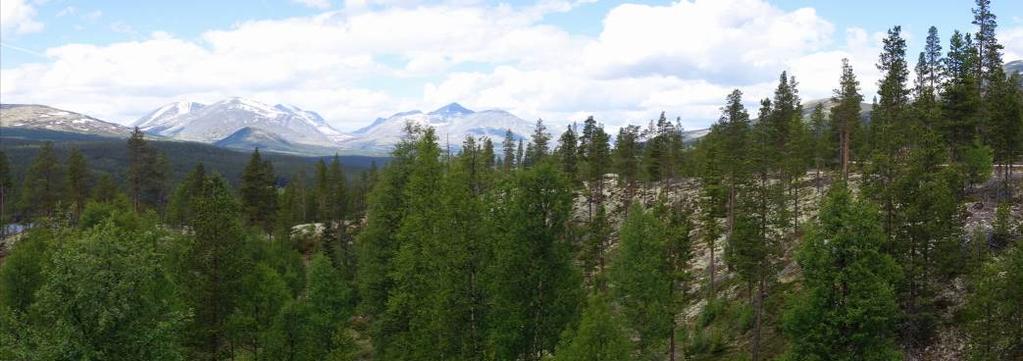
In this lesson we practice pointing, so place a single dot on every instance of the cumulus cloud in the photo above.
(682, 58)
(19, 16)
(1012, 39)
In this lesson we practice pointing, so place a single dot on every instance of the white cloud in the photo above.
(1012, 39)
(19, 16)
(316, 4)
(355, 64)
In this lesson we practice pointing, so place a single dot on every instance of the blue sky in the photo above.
(355, 60)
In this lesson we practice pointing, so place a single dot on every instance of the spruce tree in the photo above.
(567, 153)
(846, 310)
(258, 193)
(538, 143)
(215, 265)
(508, 155)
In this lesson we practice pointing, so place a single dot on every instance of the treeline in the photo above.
(515, 251)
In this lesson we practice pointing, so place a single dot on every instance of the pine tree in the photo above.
(932, 60)
(43, 184)
(846, 310)
(822, 147)
(77, 181)
(845, 115)
(962, 102)
(732, 129)
(147, 172)
(594, 157)
(989, 51)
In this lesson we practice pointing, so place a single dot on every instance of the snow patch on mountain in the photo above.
(214, 122)
(452, 122)
(30, 116)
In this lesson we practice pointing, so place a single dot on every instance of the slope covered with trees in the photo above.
(783, 234)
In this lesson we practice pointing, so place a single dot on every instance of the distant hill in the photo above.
(107, 155)
(41, 117)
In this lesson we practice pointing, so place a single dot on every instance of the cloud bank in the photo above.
(373, 58)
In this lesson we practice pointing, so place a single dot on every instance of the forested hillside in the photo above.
(783, 234)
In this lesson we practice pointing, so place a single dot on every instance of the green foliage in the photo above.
(567, 153)
(642, 278)
(107, 296)
(258, 193)
(847, 309)
(77, 181)
(978, 163)
(147, 173)
(994, 313)
(21, 274)
(214, 266)
(43, 185)
(1001, 233)
(534, 291)
(599, 336)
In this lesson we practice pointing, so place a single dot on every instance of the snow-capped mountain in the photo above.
(31, 116)
(452, 122)
(214, 122)
(166, 116)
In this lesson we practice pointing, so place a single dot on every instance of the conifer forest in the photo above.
(858, 227)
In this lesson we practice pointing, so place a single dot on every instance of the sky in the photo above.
(355, 60)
